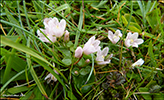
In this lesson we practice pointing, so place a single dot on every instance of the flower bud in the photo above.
(87, 61)
(78, 52)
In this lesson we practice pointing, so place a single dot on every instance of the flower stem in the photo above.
(78, 60)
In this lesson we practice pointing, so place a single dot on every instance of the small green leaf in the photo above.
(81, 62)
(99, 4)
(69, 44)
(145, 96)
(134, 28)
(67, 61)
(85, 88)
(85, 71)
(66, 52)
(124, 20)
(158, 96)
(15, 90)
(127, 16)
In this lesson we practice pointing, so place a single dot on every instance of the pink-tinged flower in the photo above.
(57, 28)
(138, 63)
(87, 61)
(91, 46)
(50, 77)
(101, 56)
(78, 52)
(132, 40)
(43, 38)
(114, 38)
(66, 36)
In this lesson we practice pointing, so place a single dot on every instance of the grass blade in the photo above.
(79, 27)
(32, 53)
(11, 79)
(90, 74)
(150, 52)
(148, 6)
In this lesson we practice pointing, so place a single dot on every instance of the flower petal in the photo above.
(135, 45)
(118, 33)
(55, 21)
(134, 36)
(139, 62)
(96, 44)
(139, 41)
(128, 35)
(105, 51)
(78, 52)
(110, 35)
(92, 39)
(40, 34)
(127, 43)
(91, 49)
(103, 62)
(88, 45)
(48, 76)
(62, 24)
(46, 21)
(116, 39)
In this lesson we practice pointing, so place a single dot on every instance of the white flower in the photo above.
(138, 63)
(131, 40)
(43, 38)
(101, 55)
(50, 77)
(78, 52)
(91, 46)
(114, 38)
(57, 28)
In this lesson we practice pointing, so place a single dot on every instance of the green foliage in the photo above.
(80, 81)
(26, 59)
(15, 90)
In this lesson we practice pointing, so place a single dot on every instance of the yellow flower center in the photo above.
(53, 78)
(102, 56)
(115, 37)
(47, 34)
(131, 41)
(57, 26)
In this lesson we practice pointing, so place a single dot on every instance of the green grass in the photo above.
(26, 60)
